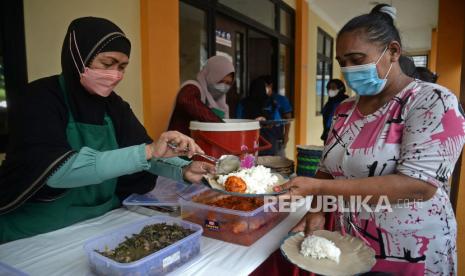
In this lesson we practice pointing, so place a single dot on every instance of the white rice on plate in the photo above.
(320, 248)
(259, 179)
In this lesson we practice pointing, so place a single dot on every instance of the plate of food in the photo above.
(329, 253)
(254, 181)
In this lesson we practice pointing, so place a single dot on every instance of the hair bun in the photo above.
(391, 11)
(386, 9)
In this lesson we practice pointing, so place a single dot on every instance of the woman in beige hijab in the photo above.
(204, 99)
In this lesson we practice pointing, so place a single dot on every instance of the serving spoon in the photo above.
(224, 165)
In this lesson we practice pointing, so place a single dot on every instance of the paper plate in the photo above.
(277, 164)
(211, 182)
(356, 257)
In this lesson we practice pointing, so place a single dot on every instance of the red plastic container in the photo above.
(234, 136)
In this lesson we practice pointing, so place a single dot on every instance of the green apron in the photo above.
(77, 204)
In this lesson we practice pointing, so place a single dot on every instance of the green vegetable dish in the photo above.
(151, 239)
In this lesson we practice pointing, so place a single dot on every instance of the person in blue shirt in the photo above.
(284, 108)
(259, 105)
(336, 92)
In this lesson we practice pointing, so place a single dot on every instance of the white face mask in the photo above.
(269, 91)
(220, 88)
(332, 92)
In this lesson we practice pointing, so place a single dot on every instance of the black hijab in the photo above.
(38, 144)
(256, 103)
(329, 108)
(86, 37)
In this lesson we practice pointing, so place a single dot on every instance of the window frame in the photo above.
(322, 57)
(421, 55)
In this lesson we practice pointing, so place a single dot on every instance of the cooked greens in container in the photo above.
(152, 246)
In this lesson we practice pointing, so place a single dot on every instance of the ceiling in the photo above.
(415, 18)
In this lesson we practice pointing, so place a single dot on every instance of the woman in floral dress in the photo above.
(398, 139)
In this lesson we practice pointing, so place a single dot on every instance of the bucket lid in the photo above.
(228, 125)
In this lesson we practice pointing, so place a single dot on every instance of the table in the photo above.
(61, 252)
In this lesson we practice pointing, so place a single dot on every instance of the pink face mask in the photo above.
(96, 81)
(100, 81)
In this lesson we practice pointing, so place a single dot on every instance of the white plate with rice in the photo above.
(323, 258)
(259, 179)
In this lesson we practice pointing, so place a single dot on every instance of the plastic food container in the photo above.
(157, 263)
(239, 227)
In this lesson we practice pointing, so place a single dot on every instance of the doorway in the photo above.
(230, 37)
(251, 52)
(261, 55)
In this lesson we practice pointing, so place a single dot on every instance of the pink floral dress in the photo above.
(419, 133)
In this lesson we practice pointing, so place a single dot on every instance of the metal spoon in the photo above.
(224, 165)
(227, 164)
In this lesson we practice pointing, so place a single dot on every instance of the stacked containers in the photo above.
(234, 226)
(308, 158)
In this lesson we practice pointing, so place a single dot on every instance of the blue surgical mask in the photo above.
(364, 79)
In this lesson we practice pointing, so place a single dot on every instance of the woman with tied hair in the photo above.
(397, 140)
(204, 99)
(76, 147)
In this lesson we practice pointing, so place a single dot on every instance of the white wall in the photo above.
(415, 18)
(291, 146)
(46, 22)
(315, 123)
(416, 39)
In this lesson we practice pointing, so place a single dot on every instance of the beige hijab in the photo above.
(216, 68)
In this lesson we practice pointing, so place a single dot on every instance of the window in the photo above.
(324, 70)
(192, 40)
(3, 102)
(285, 26)
(284, 74)
(240, 63)
(420, 60)
(262, 11)
(13, 72)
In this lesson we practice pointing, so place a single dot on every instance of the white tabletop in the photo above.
(61, 252)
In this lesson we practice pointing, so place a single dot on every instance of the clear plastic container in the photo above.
(239, 227)
(166, 194)
(157, 263)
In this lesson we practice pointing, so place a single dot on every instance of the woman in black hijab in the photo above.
(75, 144)
(259, 105)
(337, 94)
